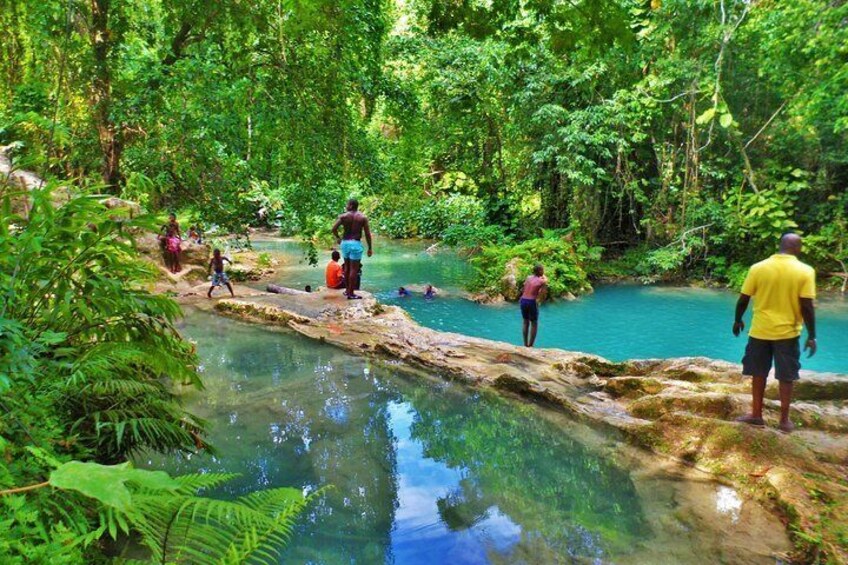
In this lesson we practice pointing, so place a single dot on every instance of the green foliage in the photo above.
(108, 483)
(183, 527)
(629, 122)
(563, 256)
(473, 238)
(264, 260)
(178, 526)
(431, 219)
(87, 356)
(99, 342)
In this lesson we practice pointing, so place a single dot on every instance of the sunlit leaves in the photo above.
(107, 483)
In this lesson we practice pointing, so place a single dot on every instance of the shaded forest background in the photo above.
(681, 136)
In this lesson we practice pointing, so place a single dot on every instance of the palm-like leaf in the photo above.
(106, 346)
(186, 528)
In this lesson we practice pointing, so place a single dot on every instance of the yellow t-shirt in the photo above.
(777, 285)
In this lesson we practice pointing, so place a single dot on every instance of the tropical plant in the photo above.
(174, 523)
(500, 270)
(178, 526)
(102, 343)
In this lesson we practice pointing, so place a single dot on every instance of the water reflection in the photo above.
(422, 472)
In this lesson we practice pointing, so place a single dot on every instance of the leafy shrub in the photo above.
(473, 238)
(87, 353)
(100, 340)
(425, 217)
(564, 257)
(264, 260)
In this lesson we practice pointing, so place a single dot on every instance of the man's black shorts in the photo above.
(759, 354)
(529, 309)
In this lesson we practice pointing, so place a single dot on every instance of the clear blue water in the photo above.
(427, 472)
(616, 322)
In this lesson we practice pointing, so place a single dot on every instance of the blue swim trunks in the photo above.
(219, 279)
(529, 309)
(352, 249)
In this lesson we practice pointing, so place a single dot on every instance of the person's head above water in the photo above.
(336, 256)
(538, 270)
(790, 244)
(308, 288)
(352, 205)
(216, 253)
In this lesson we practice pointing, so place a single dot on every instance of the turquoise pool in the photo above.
(428, 472)
(618, 322)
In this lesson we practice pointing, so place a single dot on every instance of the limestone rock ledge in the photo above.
(682, 408)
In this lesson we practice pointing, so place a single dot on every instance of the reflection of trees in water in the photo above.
(285, 412)
(262, 356)
(353, 450)
(553, 486)
(463, 507)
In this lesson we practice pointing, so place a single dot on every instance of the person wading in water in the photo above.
(354, 223)
(783, 289)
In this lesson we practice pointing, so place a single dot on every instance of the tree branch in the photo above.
(24, 489)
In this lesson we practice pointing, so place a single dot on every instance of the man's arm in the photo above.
(741, 306)
(336, 229)
(808, 312)
(367, 229)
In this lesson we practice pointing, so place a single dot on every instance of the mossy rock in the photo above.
(817, 416)
(633, 387)
(604, 368)
(818, 387)
(513, 383)
(575, 368)
(691, 374)
(714, 405)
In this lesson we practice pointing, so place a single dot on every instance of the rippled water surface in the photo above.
(428, 472)
(617, 322)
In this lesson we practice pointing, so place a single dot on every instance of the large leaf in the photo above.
(107, 483)
(705, 117)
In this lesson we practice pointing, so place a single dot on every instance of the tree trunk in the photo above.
(109, 134)
(554, 197)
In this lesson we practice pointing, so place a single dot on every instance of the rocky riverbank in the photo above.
(681, 408)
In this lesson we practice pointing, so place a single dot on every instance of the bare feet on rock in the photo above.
(751, 420)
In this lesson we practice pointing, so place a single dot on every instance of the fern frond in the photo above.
(186, 528)
(190, 484)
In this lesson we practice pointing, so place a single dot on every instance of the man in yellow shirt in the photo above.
(783, 289)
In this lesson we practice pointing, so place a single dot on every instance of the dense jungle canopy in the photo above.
(689, 132)
(661, 139)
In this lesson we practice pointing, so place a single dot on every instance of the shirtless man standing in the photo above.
(354, 223)
(535, 288)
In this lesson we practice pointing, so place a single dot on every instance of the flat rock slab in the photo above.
(683, 408)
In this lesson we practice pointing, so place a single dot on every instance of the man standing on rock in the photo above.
(535, 288)
(783, 289)
(354, 223)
